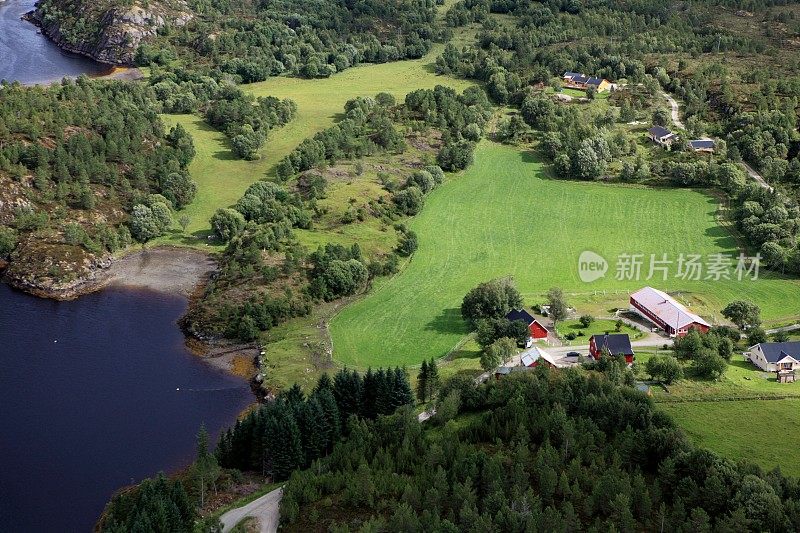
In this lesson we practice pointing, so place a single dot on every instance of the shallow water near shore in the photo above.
(29, 57)
(90, 402)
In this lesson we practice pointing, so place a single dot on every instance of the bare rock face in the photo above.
(121, 29)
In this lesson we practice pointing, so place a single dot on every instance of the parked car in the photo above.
(573, 354)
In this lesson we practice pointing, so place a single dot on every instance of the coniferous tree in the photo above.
(347, 391)
(422, 383)
(324, 383)
(384, 397)
(283, 441)
(331, 413)
(205, 470)
(314, 430)
(433, 379)
(369, 395)
(401, 390)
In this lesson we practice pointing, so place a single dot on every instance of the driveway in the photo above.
(266, 509)
(756, 176)
(676, 117)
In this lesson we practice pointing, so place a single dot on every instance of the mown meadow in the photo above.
(503, 217)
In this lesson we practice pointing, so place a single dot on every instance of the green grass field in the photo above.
(501, 217)
(222, 178)
(753, 430)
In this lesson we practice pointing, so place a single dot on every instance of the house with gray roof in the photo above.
(702, 145)
(779, 357)
(662, 136)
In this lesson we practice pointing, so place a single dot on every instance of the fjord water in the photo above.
(28, 56)
(88, 402)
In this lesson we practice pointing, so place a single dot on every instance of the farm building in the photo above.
(536, 356)
(575, 80)
(782, 358)
(702, 145)
(664, 312)
(613, 343)
(662, 136)
(537, 330)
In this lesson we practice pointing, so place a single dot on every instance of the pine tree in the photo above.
(324, 383)
(314, 430)
(383, 402)
(294, 396)
(433, 379)
(205, 470)
(422, 383)
(331, 412)
(401, 389)
(369, 395)
(283, 441)
(347, 391)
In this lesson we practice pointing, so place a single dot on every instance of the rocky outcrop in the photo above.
(121, 30)
(57, 271)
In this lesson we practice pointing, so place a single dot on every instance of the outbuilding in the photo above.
(662, 136)
(536, 356)
(535, 328)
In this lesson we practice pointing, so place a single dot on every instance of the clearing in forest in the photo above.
(222, 178)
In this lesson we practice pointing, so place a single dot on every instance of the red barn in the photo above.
(614, 344)
(536, 330)
(662, 310)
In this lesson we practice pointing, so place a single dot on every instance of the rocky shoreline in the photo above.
(123, 30)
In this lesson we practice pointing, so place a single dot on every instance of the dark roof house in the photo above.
(775, 351)
(521, 314)
(704, 145)
(659, 131)
(615, 343)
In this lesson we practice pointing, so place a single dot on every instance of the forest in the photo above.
(540, 451)
(77, 159)
(250, 41)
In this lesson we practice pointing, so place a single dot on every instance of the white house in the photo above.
(776, 356)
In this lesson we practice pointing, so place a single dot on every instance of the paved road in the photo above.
(265, 509)
(676, 117)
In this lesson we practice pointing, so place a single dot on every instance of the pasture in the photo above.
(718, 426)
(503, 217)
(222, 178)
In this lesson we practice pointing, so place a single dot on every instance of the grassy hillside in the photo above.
(222, 178)
(502, 217)
(718, 427)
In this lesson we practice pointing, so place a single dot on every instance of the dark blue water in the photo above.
(28, 56)
(88, 402)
